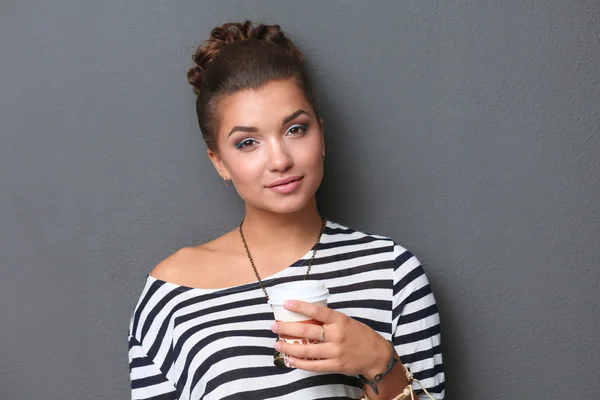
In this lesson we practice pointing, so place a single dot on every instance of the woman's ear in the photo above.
(218, 164)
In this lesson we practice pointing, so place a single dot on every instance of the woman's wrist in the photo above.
(380, 359)
(385, 378)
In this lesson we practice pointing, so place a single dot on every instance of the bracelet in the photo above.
(393, 361)
(408, 392)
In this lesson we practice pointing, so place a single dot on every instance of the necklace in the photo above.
(323, 224)
(278, 358)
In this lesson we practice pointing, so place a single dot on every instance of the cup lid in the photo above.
(311, 291)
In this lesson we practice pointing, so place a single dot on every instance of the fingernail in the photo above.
(287, 305)
(277, 346)
(274, 327)
(291, 361)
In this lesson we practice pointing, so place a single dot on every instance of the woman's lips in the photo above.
(288, 187)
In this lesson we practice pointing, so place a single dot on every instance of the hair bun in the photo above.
(232, 32)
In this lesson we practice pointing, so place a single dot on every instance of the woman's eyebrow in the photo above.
(242, 129)
(293, 115)
(253, 129)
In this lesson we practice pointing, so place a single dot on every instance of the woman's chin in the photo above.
(285, 206)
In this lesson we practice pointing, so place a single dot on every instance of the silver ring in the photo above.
(322, 337)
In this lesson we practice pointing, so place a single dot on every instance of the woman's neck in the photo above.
(268, 231)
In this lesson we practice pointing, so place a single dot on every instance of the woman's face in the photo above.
(268, 135)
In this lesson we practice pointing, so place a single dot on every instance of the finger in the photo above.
(314, 365)
(299, 330)
(312, 310)
(310, 351)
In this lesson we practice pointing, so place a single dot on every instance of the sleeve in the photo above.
(147, 380)
(416, 324)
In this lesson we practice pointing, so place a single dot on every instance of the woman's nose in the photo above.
(279, 158)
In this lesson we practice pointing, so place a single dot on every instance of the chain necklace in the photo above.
(323, 224)
(278, 358)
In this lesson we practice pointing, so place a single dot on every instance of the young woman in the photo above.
(203, 328)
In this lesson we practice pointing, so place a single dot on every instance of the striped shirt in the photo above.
(190, 343)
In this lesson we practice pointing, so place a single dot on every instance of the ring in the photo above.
(322, 337)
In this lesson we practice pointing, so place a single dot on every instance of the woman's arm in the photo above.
(350, 347)
(416, 323)
(147, 380)
(353, 348)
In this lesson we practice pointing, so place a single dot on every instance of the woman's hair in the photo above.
(241, 56)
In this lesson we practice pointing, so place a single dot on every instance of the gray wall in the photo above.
(467, 131)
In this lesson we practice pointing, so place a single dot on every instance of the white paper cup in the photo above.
(309, 291)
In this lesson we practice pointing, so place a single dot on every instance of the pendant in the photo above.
(278, 359)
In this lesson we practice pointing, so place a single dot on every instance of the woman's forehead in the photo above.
(270, 104)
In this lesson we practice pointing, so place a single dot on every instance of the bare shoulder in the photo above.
(174, 266)
(197, 266)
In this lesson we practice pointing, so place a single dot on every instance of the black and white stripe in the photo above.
(189, 343)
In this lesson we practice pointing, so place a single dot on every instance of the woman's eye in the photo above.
(245, 143)
(297, 129)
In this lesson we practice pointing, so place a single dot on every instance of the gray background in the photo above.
(467, 131)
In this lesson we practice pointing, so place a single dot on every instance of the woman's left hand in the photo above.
(350, 347)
